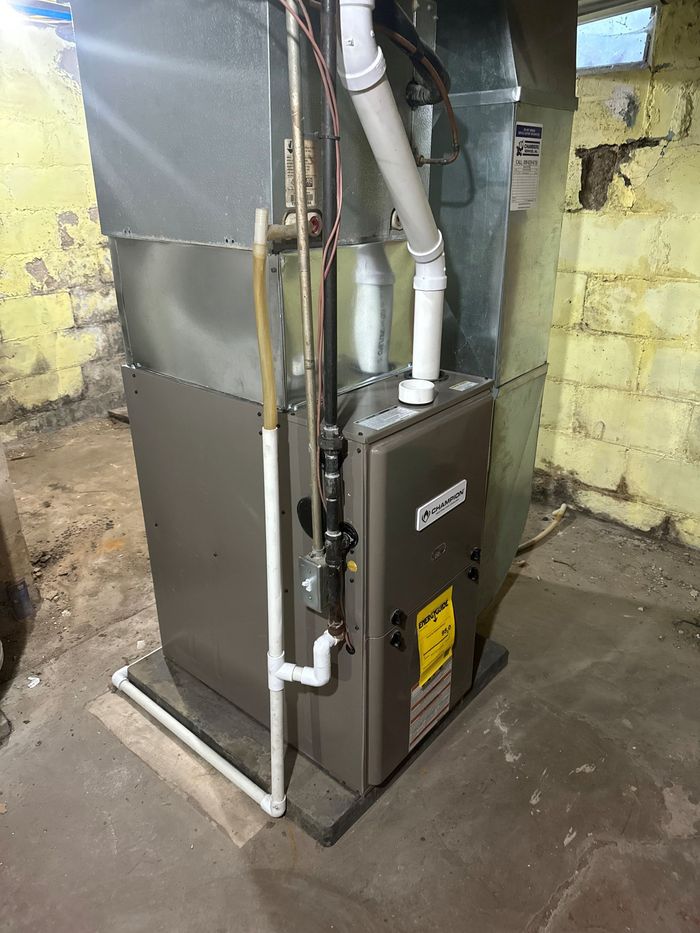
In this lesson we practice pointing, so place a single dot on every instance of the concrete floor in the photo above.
(566, 798)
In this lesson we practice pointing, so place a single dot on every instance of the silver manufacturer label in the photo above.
(429, 512)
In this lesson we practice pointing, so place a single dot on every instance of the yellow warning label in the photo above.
(436, 635)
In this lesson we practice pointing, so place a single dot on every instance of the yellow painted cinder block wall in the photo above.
(620, 427)
(60, 342)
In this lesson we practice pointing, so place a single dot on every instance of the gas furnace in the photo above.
(335, 298)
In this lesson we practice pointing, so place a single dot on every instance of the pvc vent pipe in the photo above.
(374, 305)
(363, 72)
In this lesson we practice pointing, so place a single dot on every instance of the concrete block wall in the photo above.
(60, 340)
(620, 431)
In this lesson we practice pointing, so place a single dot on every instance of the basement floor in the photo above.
(566, 798)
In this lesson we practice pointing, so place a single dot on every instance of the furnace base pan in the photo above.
(317, 803)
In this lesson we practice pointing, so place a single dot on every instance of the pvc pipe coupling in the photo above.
(431, 276)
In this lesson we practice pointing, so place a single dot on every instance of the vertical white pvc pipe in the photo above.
(273, 545)
(373, 308)
(275, 631)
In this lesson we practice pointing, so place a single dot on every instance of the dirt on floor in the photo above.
(78, 500)
(596, 557)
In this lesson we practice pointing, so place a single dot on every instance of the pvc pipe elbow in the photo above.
(311, 677)
(319, 675)
(120, 677)
(428, 255)
(361, 62)
(274, 808)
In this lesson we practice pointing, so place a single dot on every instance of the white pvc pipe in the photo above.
(373, 308)
(275, 620)
(363, 72)
(188, 738)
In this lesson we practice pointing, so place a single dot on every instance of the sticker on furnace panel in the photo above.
(463, 386)
(385, 419)
(435, 624)
(429, 704)
(431, 511)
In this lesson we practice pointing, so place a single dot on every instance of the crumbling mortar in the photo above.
(611, 278)
(650, 101)
(628, 335)
(586, 329)
(600, 164)
(647, 343)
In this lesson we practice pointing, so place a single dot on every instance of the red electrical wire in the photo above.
(330, 248)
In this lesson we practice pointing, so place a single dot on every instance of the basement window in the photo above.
(620, 40)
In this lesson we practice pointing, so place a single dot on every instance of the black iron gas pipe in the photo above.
(330, 201)
(331, 440)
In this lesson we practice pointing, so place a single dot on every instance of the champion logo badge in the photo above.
(448, 500)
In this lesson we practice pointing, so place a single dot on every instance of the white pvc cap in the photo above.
(416, 391)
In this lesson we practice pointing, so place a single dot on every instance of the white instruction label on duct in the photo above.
(429, 704)
(527, 150)
(431, 511)
(463, 386)
(384, 419)
(311, 163)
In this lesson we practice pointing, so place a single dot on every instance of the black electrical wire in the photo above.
(424, 89)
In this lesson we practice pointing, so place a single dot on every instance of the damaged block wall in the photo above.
(60, 340)
(620, 432)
